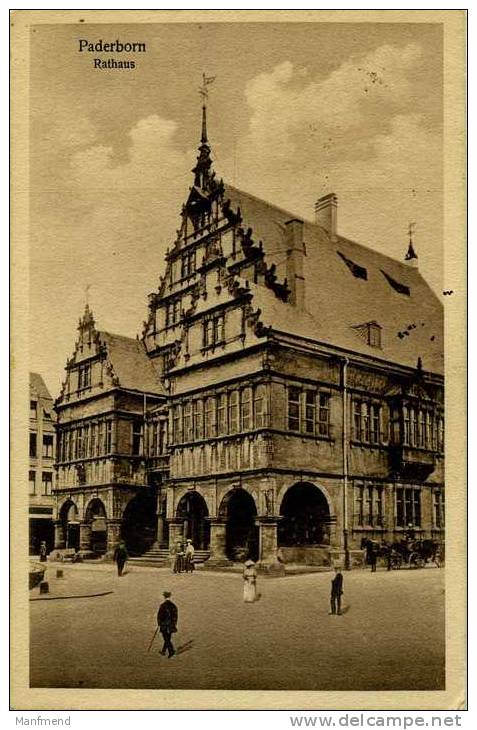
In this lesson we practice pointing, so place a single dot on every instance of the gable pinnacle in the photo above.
(411, 253)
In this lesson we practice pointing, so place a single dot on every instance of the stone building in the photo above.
(102, 487)
(41, 472)
(298, 399)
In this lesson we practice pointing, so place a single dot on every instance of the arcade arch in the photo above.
(70, 524)
(139, 525)
(192, 509)
(95, 516)
(305, 516)
(239, 510)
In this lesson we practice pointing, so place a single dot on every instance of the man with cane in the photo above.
(166, 623)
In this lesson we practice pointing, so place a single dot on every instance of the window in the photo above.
(188, 264)
(176, 425)
(209, 423)
(162, 436)
(100, 438)
(33, 409)
(84, 376)
(408, 507)
(79, 443)
(324, 414)
(222, 415)
(369, 508)
(439, 509)
(440, 434)
(419, 428)
(358, 271)
(136, 437)
(173, 312)
(46, 482)
(396, 285)
(198, 419)
(187, 428)
(294, 408)
(374, 334)
(259, 406)
(31, 482)
(246, 409)
(366, 422)
(93, 443)
(33, 445)
(310, 411)
(48, 446)
(213, 332)
(234, 412)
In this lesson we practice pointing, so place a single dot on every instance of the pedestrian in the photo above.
(120, 556)
(167, 621)
(179, 558)
(43, 551)
(373, 558)
(249, 582)
(336, 592)
(189, 557)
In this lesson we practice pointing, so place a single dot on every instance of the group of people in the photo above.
(184, 557)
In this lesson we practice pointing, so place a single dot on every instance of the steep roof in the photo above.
(131, 365)
(38, 387)
(346, 285)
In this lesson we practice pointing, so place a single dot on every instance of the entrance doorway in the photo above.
(192, 508)
(139, 526)
(306, 517)
(241, 536)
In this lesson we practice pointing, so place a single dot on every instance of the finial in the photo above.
(411, 253)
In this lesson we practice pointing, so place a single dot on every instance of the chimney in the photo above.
(294, 265)
(326, 213)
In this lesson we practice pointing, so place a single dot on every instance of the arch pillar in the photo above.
(59, 535)
(268, 544)
(218, 554)
(85, 536)
(176, 532)
(113, 533)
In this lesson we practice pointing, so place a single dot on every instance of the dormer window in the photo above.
(358, 271)
(396, 285)
(370, 332)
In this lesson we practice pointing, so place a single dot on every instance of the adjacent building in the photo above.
(285, 399)
(41, 473)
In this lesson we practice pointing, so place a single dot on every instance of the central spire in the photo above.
(202, 175)
(203, 139)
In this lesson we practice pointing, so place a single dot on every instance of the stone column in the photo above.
(59, 535)
(218, 528)
(160, 530)
(113, 534)
(85, 536)
(176, 532)
(268, 545)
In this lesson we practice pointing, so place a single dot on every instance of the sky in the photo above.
(297, 110)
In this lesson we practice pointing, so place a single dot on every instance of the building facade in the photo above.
(299, 391)
(41, 473)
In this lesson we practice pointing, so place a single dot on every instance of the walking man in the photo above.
(167, 622)
(189, 557)
(120, 557)
(336, 592)
(373, 558)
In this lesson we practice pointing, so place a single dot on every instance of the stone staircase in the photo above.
(160, 557)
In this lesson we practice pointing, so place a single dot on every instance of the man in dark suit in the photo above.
(167, 622)
(120, 556)
(336, 592)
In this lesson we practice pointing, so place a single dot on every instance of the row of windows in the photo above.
(366, 422)
(157, 438)
(369, 506)
(228, 413)
(308, 411)
(423, 429)
(408, 507)
(47, 445)
(188, 263)
(173, 312)
(85, 441)
(46, 482)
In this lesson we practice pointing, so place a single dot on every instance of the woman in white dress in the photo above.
(249, 582)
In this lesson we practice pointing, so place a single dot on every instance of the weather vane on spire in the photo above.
(411, 254)
(203, 91)
(86, 293)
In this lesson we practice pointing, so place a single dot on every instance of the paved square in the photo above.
(391, 636)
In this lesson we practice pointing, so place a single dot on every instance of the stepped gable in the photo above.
(346, 285)
(132, 367)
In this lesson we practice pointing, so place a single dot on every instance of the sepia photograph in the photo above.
(237, 372)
